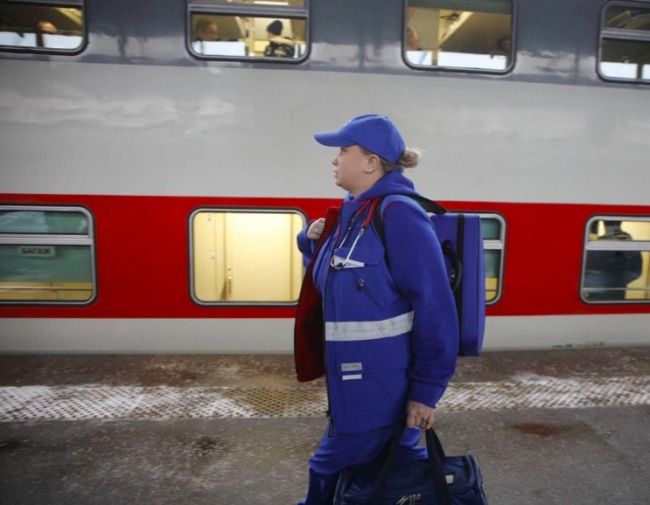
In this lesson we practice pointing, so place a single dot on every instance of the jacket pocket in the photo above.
(372, 385)
(359, 257)
(364, 278)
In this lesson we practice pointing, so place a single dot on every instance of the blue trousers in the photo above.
(347, 449)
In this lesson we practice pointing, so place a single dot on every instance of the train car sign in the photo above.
(40, 251)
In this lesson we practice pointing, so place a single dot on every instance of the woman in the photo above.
(391, 328)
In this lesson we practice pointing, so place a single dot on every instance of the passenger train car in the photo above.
(157, 161)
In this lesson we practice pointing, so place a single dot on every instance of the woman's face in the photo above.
(350, 169)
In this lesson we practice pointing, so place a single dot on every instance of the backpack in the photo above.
(462, 244)
(278, 49)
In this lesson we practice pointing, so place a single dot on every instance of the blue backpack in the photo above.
(462, 244)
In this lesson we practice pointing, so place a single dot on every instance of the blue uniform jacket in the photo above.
(391, 329)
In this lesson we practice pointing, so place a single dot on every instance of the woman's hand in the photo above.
(316, 229)
(419, 415)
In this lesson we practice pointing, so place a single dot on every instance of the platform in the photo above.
(548, 427)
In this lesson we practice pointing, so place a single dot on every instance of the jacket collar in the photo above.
(391, 183)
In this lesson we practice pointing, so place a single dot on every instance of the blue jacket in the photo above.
(391, 329)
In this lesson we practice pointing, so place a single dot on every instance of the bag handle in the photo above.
(436, 457)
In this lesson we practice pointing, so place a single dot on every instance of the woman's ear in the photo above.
(373, 164)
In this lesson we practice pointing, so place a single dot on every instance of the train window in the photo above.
(245, 256)
(493, 231)
(625, 42)
(616, 266)
(266, 3)
(46, 255)
(248, 30)
(459, 34)
(45, 27)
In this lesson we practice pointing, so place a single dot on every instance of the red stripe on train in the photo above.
(142, 256)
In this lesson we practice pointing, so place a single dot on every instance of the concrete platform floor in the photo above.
(532, 456)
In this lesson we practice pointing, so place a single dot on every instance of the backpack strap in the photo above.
(429, 206)
(425, 203)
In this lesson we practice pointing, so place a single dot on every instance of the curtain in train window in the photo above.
(268, 30)
(617, 259)
(459, 34)
(246, 257)
(46, 255)
(625, 43)
(493, 231)
(45, 27)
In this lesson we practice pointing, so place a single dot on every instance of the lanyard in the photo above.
(338, 265)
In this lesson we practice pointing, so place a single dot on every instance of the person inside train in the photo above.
(607, 273)
(414, 53)
(391, 329)
(207, 30)
(412, 40)
(45, 27)
(279, 46)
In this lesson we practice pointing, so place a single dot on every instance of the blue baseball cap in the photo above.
(373, 132)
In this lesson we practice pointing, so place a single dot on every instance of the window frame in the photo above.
(248, 10)
(243, 210)
(80, 4)
(432, 68)
(496, 245)
(633, 246)
(619, 34)
(56, 239)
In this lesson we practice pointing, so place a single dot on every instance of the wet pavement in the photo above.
(546, 454)
(277, 370)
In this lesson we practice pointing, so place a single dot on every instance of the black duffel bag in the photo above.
(438, 480)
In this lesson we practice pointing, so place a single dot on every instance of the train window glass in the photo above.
(625, 43)
(36, 221)
(248, 37)
(246, 257)
(617, 260)
(270, 3)
(628, 18)
(42, 27)
(459, 34)
(625, 59)
(493, 231)
(249, 30)
(46, 255)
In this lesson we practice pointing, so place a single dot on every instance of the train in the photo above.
(157, 161)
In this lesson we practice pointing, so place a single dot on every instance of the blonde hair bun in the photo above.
(409, 158)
